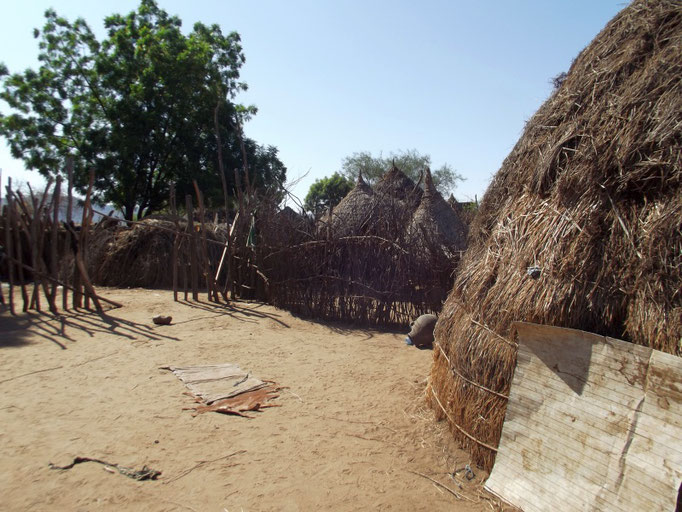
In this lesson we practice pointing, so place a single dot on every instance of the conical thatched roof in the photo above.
(284, 227)
(354, 212)
(582, 225)
(435, 226)
(395, 184)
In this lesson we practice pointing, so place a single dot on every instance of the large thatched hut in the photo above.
(581, 227)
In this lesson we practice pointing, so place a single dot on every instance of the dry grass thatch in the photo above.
(397, 185)
(436, 228)
(353, 215)
(591, 196)
(139, 255)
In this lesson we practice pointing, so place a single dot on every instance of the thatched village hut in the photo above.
(139, 255)
(436, 229)
(283, 226)
(353, 214)
(396, 199)
(581, 227)
(396, 184)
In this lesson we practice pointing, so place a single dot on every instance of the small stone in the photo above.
(162, 320)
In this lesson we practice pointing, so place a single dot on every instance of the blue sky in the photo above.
(455, 80)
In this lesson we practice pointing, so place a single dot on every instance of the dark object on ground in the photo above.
(162, 320)
(145, 473)
(421, 334)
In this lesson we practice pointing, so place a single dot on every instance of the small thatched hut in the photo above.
(436, 229)
(397, 185)
(353, 214)
(396, 199)
(139, 255)
(581, 227)
(281, 227)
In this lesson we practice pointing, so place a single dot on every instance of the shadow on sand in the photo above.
(241, 311)
(17, 330)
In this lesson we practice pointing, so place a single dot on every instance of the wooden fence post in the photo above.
(192, 247)
(8, 244)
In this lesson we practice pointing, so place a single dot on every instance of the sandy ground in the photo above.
(351, 433)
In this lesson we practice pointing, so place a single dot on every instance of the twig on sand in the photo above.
(455, 494)
(30, 373)
(201, 463)
(299, 398)
(94, 359)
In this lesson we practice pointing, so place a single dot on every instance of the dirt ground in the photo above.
(352, 433)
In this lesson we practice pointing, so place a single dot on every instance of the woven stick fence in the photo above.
(34, 242)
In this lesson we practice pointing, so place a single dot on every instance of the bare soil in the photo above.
(352, 431)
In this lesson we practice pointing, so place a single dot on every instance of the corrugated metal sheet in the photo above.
(593, 423)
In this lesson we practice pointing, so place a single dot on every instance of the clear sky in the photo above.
(453, 79)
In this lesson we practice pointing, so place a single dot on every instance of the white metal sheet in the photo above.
(592, 423)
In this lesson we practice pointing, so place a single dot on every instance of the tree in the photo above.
(411, 162)
(327, 192)
(137, 108)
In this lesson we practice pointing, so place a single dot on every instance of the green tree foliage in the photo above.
(327, 192)
(138, 108)
(411, 162)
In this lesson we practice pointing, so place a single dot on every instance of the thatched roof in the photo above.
(353, 214)
(582, 225)
(435, 226)
(396, 184)
(139, 255)
(283, 227)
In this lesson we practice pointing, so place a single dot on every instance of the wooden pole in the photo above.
(41, 218)
(210, 282)
(35, 296)
(192, 247)
(8, 244)
(18, 249)
(67, 240)
(176, 241)
(54, 263)
(81, 254)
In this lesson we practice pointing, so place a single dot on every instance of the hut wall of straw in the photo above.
(581, 227)
(139, 255)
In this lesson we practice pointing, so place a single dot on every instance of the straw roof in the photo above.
(284, 226)
(435, 225)
(582, 225)
(139, 255)
(397, 185)
(352, 215)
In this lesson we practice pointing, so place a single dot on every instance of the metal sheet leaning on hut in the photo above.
(593, 423)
